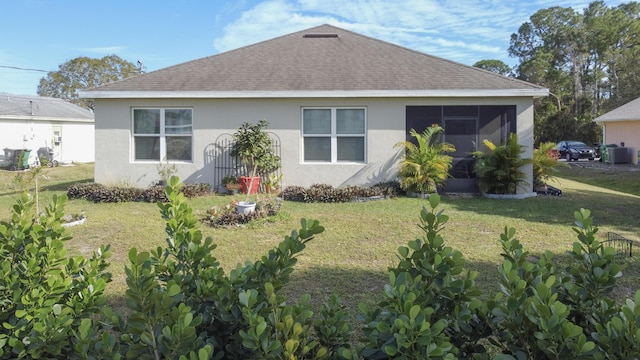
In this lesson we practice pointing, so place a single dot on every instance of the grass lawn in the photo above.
(360, 239)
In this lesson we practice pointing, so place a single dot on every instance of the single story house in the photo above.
(337, 102)
(621, 126)
(46, 126)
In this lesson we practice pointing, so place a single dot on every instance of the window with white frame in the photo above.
(162, 134)
(334, 135)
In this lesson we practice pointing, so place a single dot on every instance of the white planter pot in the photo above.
(246, 207)
(74, 223)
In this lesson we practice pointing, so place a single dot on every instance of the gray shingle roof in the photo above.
(13, 105)
(324, 58)
(628, 111)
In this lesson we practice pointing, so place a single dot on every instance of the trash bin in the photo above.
(25, 159)
(17, 159)
(604, 152)
(638, 157)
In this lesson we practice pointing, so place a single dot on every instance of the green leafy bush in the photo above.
(45, 296)
(254, 147)
(227, 314)
(544, 165)
(183, 305)
(425, 166)
(431, 307)
(499, 170)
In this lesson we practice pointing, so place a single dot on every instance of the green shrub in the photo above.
(530, 320)
(230, 305)
(425, 166)
(183, 305)
(432, 307)
(45, 296)
(499, 170)
(544, 165)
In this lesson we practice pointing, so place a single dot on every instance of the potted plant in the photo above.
(425, 166)
(253, 146)
(73, 219)
(499, 170)
(166, 170)
(272, 183)
(231, 184)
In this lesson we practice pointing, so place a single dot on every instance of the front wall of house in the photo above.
(627, 132)
(212, 118)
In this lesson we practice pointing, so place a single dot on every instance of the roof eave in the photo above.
(45, 118)
(599, 120)
(455, 93)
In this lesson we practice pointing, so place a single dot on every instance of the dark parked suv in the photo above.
(575, 150)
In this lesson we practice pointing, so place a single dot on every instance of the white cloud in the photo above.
(479, 29)
(463, 31)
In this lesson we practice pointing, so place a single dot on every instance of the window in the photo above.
(334, 135)
(160, 134)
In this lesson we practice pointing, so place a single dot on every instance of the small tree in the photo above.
(500, 170)
(425, 167)
(254, 148)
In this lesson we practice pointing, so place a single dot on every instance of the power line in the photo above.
(19, 68)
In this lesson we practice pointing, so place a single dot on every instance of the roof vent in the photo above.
(315, 36)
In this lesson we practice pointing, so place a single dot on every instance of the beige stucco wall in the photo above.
(617, 132)
(213, 117)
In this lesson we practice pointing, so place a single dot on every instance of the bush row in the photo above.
(99, 193)
(323, 193)
(183, 305)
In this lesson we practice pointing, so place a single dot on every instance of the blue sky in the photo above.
(43, 34)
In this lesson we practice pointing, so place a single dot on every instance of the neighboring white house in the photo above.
(47, 126)
(337, 102)
(622, 128)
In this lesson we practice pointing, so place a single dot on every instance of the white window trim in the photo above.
(334, 136)
(162, 135)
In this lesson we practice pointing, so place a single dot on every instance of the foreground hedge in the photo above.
(182, 305)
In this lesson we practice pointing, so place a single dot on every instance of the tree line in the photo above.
(588, 60)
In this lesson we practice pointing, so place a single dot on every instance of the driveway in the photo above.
(605, 167)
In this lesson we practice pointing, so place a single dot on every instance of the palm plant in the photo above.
(499, 171)
(425, 167)
(544, 164)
